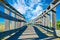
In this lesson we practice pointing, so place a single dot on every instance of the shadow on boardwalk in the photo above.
(40, 34)
(18, 32)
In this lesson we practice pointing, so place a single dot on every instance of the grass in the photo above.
(58, 24)
(58, 27)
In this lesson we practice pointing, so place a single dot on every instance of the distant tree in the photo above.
(58, 24)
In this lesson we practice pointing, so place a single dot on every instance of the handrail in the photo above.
(13, 10)
(7, 4)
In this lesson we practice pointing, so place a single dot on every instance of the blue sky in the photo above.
(31, 8)
(58, 12)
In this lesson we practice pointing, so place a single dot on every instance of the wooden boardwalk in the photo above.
(28, 33)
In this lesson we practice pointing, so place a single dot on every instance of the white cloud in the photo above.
(39, 8)
(37, 12)
(22, 8)
(36, 15)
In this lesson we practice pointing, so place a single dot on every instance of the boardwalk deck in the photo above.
(29, 33)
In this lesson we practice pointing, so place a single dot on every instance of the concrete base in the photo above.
(58, 33)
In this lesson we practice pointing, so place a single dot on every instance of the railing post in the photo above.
(54, 22)
(48, 19)
(40, 20)
(22, 22)
(43, 20)
(7, 22)
(13, 23)
(17, 21)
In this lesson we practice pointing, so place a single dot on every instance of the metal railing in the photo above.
(47, 16)
(11, 16)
